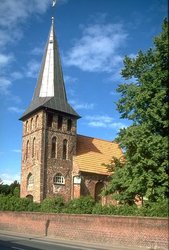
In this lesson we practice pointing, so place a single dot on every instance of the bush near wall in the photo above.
(13, 203)
(83, 205)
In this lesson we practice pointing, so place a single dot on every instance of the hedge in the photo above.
(83, 205)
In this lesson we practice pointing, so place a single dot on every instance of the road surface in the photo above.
(11, 241)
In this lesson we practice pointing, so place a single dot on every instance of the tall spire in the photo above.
(50, 90)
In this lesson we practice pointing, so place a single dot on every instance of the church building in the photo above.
(55, 159)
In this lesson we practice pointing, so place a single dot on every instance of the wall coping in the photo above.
(88, 215)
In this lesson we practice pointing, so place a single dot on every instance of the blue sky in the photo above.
(93, 36)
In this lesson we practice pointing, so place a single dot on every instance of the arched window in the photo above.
(33, 147)
(60, 122)
(26, 126)
(49, 119)
(36, 122)
(65, 149)
(53, 149)
(31, 124)
(27, 149)
(30, 181)
(69, 125)
(58, 179)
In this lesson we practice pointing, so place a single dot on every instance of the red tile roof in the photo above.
(93, 152)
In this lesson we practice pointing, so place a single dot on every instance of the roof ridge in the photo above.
(96, 138)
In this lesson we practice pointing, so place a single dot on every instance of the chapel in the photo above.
(55, 159)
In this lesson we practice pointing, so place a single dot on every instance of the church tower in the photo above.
(49, 132)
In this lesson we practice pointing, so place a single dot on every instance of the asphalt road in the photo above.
(20, 242)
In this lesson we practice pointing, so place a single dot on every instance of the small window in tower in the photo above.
(60, 122)
(69, 124)
(31, 124)
(50, 120)
(30, 181)
(33, 147)
(26, 126)
(53, 151)
(65, 149)
(27, 149)
(58, 179)
(36, 122)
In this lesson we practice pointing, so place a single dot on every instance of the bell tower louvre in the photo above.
(49, 132)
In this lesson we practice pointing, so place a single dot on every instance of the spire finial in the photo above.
(53, 14)
(53, 19)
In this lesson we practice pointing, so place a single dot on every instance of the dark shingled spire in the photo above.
(50, 90)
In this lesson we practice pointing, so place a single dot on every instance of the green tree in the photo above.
(4, 189)
(144, 101)
(15, 188)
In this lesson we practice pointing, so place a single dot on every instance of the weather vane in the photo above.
(53, 3)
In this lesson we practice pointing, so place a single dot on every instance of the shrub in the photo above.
(4, 202)
(52, 205)
(82, 205)
(12, 203)
(114, 210)
(16, 192)
(33, 207)
(155, 209)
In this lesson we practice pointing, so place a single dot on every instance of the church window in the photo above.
(33, 147)
(69, 124)
(36, 122)
(49, 120)
(27, 149)
(53, 150)
(31, 124)
(30, 181)
(26, 126)
(60, 122)
(65, 149)
(59, 179)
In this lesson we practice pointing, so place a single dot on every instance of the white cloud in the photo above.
(78, 105)
(9, 178)
(32, 69)
(14, 12)
(5, 83)
(16, 75)
(70, 79)
(37, 51)
(16, 150)
(98, 48)
(104, 121)
(16, 110)
(5, 59)
(114, 93)
(98, 118)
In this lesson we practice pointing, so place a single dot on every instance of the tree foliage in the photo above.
(13, 188)
(144, 101)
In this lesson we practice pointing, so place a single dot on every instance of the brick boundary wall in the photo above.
(148, 232)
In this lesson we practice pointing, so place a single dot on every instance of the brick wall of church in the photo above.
(89, 182)
(40, 163)
(57, 165)
(32, 164)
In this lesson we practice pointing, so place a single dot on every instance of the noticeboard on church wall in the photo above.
(76, 179)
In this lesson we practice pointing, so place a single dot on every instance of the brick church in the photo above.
(55, 159)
